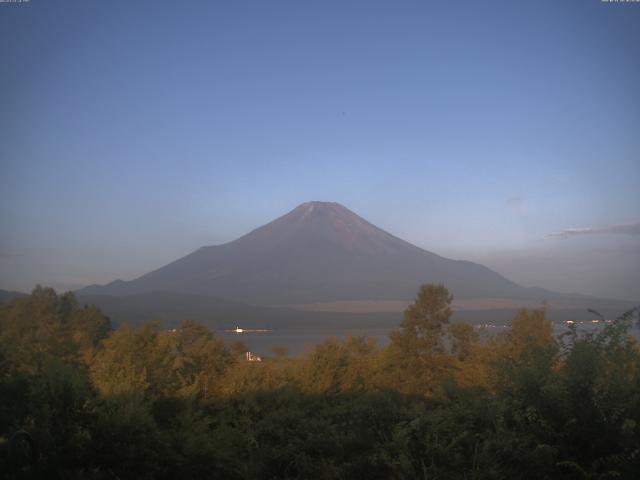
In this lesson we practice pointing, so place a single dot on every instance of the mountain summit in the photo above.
(318, 252)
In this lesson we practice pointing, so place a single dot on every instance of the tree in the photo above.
(44, 325)
(238, 348)
(59, 419)
(199, 359)
(463, 340)
(418, 348)
(424, 320)
(335, 366)
(280, 351)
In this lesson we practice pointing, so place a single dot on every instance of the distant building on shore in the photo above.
(253, 358)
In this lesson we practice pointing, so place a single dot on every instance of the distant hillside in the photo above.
(319, 252)
(6, 295)
(221, 314)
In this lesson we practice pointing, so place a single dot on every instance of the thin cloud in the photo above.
(9, 258)
(623, 229)
(516, 203)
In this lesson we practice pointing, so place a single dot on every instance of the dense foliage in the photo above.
(81, 400)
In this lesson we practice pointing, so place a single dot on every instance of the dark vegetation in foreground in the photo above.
(80, 400)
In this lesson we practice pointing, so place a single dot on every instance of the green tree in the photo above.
(418, 348)
(600, 402)
(463, 340)
(422, 328)
(199, 359)
(59, 419)
(42, 326)
(335, 366)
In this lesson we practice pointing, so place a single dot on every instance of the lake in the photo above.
(298, 339)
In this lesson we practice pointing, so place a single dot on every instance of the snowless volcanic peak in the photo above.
(327, 223)
(318, 252)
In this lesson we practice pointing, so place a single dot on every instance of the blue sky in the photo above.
(133, 132)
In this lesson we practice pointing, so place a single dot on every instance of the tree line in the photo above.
(79, 399)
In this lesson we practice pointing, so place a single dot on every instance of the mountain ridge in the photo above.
(8, 295)
(318, 252)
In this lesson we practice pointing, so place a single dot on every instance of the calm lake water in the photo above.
(300, 339)
(297, 341)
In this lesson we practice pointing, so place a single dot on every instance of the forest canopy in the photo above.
(79, 399)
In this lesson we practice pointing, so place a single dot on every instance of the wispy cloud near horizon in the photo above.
(621, 229)
(516, 204)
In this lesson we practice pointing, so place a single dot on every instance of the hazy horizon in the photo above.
(498, 133)
(527, 270)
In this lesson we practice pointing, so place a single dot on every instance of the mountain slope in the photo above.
(6, 295)
(318, 252)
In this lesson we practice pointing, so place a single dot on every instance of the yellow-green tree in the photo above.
(418, 351)
(154, 362)
(335, 366)
(44, 325)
